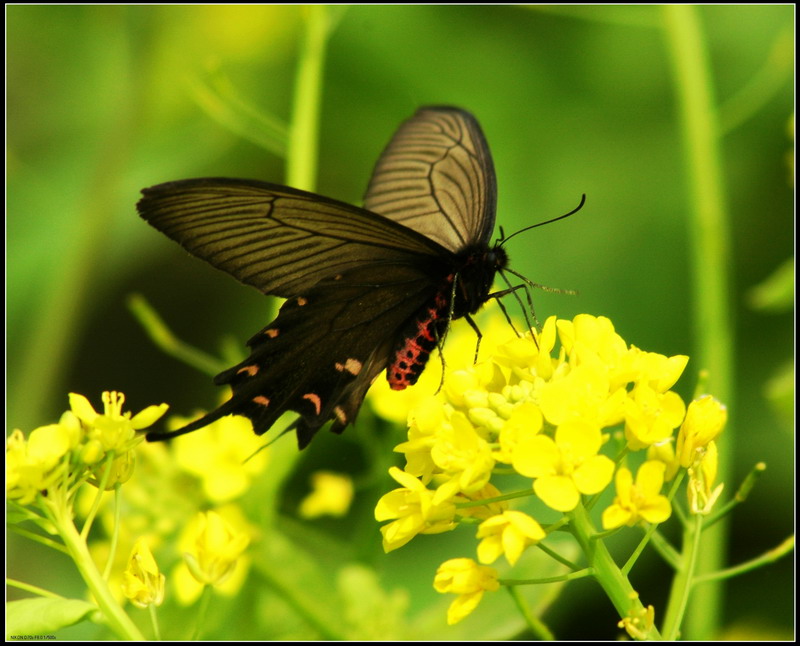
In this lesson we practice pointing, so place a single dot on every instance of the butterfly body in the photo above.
(367, 289)
(473, 274)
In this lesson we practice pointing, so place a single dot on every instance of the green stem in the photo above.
(615, 584)
(639, 549)
(33, 589)
(682, 583)
(561, 578)
(101, 489)
(524, 493)
(164, 339)
(771, 556)
(536, 625)
(202, 611)
(47, 542)
(154, 621)
(710, 253)
(115, 616)
(301, 156)
(112, 552)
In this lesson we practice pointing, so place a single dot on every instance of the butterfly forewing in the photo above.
(436, 176)
(277, 239)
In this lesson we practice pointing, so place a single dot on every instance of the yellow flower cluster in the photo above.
(542, 410)
(83, 446)
(45, 471)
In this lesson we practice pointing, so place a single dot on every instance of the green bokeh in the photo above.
(573, 100)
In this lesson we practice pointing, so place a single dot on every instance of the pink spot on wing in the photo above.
(261, 400)
(272, 332)
(340, 414)
(301, 301)
(353, 366)
(314, 399)
(251, 371)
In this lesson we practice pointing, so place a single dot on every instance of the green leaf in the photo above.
(28, 618)
(776, 292)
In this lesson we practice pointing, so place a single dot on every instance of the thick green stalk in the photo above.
(301, 154)
(710, 254)
(115, 616)
(608, 574)
(684, 578)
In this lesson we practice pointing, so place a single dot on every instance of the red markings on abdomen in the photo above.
(416, 342)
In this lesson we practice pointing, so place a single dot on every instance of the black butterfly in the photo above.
(367, 289)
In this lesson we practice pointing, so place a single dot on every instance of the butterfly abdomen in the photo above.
(417, 340)
(474, 274)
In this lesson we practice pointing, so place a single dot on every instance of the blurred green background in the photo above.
(103, 101)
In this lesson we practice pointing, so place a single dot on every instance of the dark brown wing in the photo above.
(280, 240)
(436, 177)
(325, 348)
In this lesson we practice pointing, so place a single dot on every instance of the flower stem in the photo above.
(301, 155)
(710, 251)
(202, 611)
(682, 583)
(115, 616)
(536, 625)
(615, 584)
(154, 621)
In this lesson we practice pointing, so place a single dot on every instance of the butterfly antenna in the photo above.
(503, 239)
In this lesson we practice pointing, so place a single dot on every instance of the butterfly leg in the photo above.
(526, 286)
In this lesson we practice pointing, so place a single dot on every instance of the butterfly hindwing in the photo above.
(436, 176)
(323, 351)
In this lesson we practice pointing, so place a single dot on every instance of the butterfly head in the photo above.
(477, 268)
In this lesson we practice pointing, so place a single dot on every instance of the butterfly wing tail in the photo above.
(213, 416)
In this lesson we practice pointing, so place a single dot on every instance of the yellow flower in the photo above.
(701, 491)
(225, 456)
(665, 452)
(485, 510)
(651, 416)
(463, 455)
(705, 419)
(424, 422)
(592, 341)
(530, 359)
(566, 466)
(32, 464)
(414, 511)
(187, 588)
(524, 421)
(142, 581)
(467, 579)
(121, 470)
(639, 501)
(658, 371)
(331, 495)
(584, 392)
(509, 533)
(115, 430)
(217, 548)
